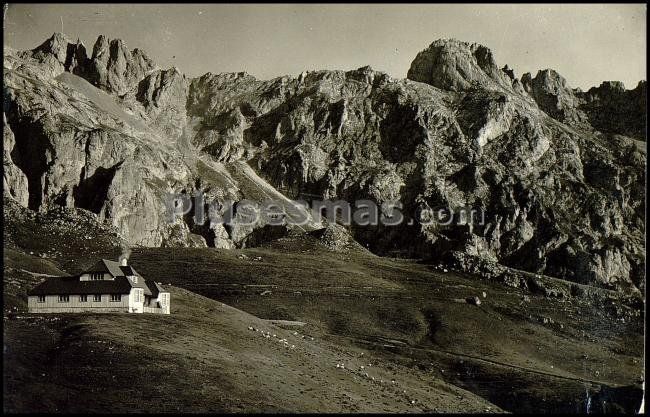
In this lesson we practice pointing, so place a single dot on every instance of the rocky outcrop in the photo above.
(556, 192)
(111, 66)
(114, 68)
(160, 98)
(608, 108)
(554, 97)
(453, 65)
(335, 238)
(118, 157)
(612, 109)
(58, 54)
(14, 181)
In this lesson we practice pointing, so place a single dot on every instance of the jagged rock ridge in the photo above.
(558, 174)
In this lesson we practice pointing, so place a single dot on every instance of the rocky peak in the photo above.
(101, 45)
(608, 108)
(56, 45)
(613, 109)
(114, 68)
(642, 85)
(159, 86)
(450, 64)
(368, 75)
(77, 58)
(54, 56)
(60, 53)
(509, 72)
(553, 96)
(111, 66)
(547, 80)
(163, 95)
(613, 86)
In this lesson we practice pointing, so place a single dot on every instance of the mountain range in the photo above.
(559, 173)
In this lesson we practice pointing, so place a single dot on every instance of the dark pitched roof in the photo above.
(72, 285)
(141, 283)
(155, 288)
(128, 270)
(113, 268)
(99, 266)
(119, 285)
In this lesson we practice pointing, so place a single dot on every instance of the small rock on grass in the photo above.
(473, 300)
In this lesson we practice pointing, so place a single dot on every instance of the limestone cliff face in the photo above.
(453, 65)
(14, 182)
(608, 108)
(116, 150)
(560, 184)
(114, 68)
(554, 96)
(613, 109)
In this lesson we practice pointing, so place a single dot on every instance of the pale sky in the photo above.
(585, 43)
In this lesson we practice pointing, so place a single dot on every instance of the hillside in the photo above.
(203, 358)
(519, 350)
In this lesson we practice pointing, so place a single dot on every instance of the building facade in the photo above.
(106, 287)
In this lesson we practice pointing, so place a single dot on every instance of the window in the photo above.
(64, 298)
(83, 298)
(116, 297)
(97, 298)
(96, 276)
(41, 298)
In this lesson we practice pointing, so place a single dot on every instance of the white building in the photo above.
(107, 287)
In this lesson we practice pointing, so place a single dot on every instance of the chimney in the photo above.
(124, 257)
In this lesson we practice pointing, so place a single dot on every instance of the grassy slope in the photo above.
(203, 358)
(417, 315)
(408, 319)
